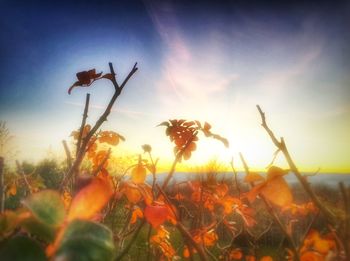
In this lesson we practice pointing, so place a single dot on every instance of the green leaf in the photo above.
(86, 241)
(47, 206)
(35, 227)
(21, 249)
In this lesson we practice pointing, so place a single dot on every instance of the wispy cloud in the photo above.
(189, 74)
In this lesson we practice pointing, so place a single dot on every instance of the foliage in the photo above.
(72, 212)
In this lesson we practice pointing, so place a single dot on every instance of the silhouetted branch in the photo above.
(99, 122)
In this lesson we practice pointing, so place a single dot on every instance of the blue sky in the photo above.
(199, 60)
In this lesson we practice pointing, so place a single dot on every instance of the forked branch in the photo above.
(81, 150)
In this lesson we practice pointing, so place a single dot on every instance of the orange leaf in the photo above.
(91, 199)
(186, 252)
(236, 254)
(137, 213)
(160, 239)
(266, 258)
(156, 214)
(311, 256)
(277, 191)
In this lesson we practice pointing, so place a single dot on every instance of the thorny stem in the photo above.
(282, 147)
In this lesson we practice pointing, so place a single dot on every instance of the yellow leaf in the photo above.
(138, 174)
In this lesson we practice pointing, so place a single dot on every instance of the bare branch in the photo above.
(282, 146)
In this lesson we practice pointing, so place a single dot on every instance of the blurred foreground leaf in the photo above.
(86, 241)
(47, 207)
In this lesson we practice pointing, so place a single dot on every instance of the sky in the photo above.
(198, 60)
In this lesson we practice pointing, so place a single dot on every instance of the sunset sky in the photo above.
(197, 60)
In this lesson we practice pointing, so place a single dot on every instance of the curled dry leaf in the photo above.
(85, 79)
(275, 189)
